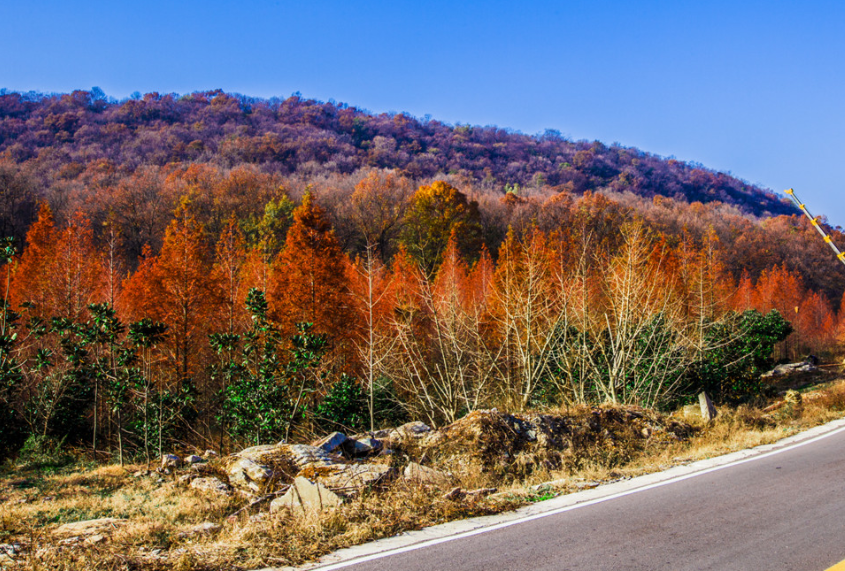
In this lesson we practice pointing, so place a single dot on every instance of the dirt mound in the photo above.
(512, 446)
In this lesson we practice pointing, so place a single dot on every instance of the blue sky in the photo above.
(751, 88)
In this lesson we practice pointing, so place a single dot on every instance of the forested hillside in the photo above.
(215, 268)
(62, 136)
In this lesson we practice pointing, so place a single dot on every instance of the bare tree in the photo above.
(441, 360)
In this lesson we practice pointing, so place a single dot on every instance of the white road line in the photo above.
(431, 542)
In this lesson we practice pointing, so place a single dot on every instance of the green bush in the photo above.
(740, 350)
(41, 451)
(346, 406)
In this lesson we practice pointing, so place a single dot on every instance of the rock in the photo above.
(791, 369)
(362, 446)
(708, 411)
(193, 459)
(203, 468)
(170, 462)
(205, 528)
(89, 527)
(454, 494)
(256, 467)
(349, 478)
(414, 429)
(306, 496)
(212, 485)
(208, 454)
(331, 442)
(427, 476)
(246, 473)
(304, 455)
(94, 539)
(287, 459)
(262, 454)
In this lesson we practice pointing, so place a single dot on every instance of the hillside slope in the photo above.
(60, 134)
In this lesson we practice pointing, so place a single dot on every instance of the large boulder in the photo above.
(304, 455)
(255, 468)
(414, 429)
(349, 479)
(263, 454)
(277, 457)
(306, 496)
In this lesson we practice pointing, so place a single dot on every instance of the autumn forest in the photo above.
(211, 270)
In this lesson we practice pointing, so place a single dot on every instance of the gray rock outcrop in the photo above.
(249, 474)
(170, 462)
(306, 496)
(350, 479)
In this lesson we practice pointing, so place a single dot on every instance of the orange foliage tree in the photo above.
(310, 282)
(60, 271)
(178, 287)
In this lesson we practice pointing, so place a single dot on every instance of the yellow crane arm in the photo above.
(815, 222)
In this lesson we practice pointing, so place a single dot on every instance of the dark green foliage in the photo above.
(741, 348)
(10, 369)
(263, 395)
(41, 451)
(345, 406)
(148, 413)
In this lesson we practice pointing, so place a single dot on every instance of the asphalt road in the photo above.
(785, 511)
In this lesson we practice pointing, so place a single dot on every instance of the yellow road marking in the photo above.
(838, 567)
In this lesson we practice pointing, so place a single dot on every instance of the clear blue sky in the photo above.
(753, 88)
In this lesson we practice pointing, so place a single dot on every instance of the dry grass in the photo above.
(33, 503)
